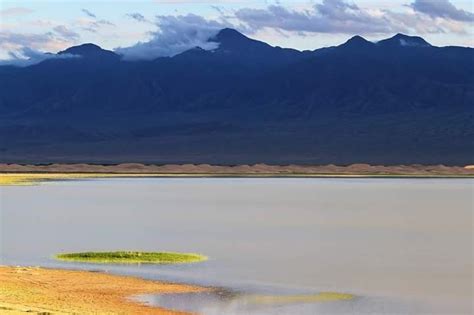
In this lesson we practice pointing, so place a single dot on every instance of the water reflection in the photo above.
(232, 303)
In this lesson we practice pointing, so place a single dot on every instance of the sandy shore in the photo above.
(24, 174)
(38, 290)
(245, 170)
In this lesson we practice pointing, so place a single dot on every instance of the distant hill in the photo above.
(397, 101)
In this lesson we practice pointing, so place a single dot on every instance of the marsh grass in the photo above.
(132, 257)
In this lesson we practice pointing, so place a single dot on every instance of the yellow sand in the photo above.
(38, 290)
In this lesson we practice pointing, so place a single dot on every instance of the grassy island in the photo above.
(132, 257)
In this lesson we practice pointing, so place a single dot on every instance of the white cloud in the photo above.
(175, 34)
(26, 57)
(23, 45)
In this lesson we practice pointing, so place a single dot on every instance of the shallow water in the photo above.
(400, 245)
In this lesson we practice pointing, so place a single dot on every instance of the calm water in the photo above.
(400, 245)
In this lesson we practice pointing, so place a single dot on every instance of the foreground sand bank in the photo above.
(38, 290)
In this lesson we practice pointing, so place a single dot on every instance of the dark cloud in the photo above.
(339, 16)
(330, 16)
(442, 9)
(89, 13)
(95, 24)
(137, 17)
(175, 34)
(218, 9)
(104, 22)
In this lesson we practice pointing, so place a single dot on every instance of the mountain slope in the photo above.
(397, 101)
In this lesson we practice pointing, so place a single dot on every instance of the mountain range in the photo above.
(396, 101)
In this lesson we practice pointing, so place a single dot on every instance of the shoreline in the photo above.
(256, 170)
(34, 178)
(64, 291)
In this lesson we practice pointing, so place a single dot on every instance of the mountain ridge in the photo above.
(231, 38)
(245, 102)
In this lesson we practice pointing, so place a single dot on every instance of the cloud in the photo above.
(93, 23)
(14, 11)
(104, 22)
(339, 16)
(21, 46)
(442, 9)
(175, 34)
(137, 17)
(27, 57)
(89, 13)
(94, 26)
(66, 33)
(24, 49)
(12, 41)
(218, 9)
(330, 16)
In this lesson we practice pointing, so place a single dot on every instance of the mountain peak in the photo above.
(88, 50)
(357, 41)
(232, 40)
(228, 34)
(404, 40)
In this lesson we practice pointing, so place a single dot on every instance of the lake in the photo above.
(399, 245)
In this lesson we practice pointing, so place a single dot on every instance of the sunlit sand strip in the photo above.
(38, 290)
(7, 179)
(26, 179)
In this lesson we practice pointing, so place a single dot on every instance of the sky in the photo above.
(153, 28)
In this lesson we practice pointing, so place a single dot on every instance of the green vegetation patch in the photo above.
(132, 257)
